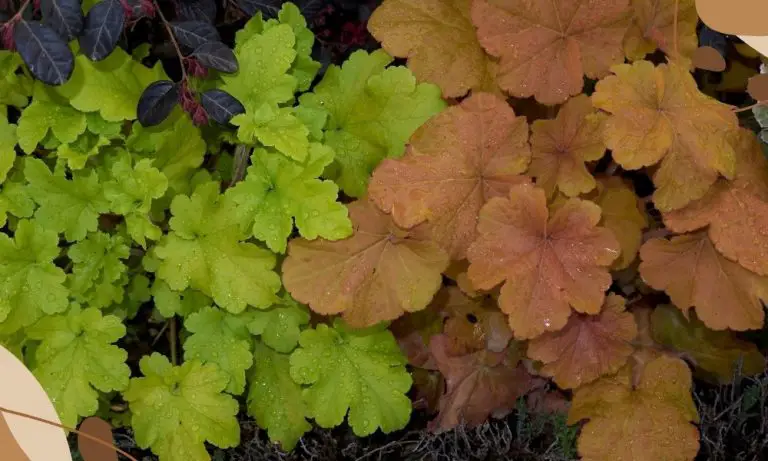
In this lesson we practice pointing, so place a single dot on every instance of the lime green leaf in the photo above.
(30, 284)
(97, 125)
(170, 302)
(275, 400)
(278, 190)
(48, 112)
(373, 110)
(135, 293)
(176, 409)
(130, 192)
(204, 252)
(77, 153)
(97, 273)
(15, 88)
(280, 325)
(277, 127)
(7, 144)
(176, 147)
(68, 206)
(362, 371)
(304, 68)
(112, 86)
(76, 358)
(15, 199)
(221, 338)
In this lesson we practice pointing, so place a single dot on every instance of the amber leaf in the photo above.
(647, 422)
(548, 263)
(561, 147)
(439, 40)
(622, 214)
(694, 275)
(717, 355)
(478, 385)
(455, 162)
(546, 47)
(377, 274)
(658, 114)
(735, 211)
(473, 324)
(588, 347)
(653, 28)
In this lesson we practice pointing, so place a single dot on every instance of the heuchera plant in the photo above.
(450, 234)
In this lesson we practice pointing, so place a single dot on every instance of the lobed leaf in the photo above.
(624, 215)
(653, 28)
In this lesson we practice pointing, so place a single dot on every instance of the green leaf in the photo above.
(112, 86)
(169, 302)
(373, 110)
(130, 192)
(280, 325)
(15, 88)
(176, 147)
(135, 293)
(15, 199)
(262, 84)
(362, 371)
(717, 354)
(304, 68)
(97, 273)
(204, 251)
(68, 206)
(30, 284)
(221, 338)
(177, 408)
(7, 144)
(77, 357)
(48, 112)
(275, 400)
(278, 190)
(77, 153)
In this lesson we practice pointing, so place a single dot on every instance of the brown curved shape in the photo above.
(735, 17)
(9, 445)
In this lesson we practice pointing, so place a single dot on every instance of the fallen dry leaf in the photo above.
(694, 275)
(439, 40)
(547, 46)
(658, 114)
(735, 211)
(650, 422)
(548, 263)
(561, 147)
(716, 354)
(377, 274)
(91, 450)
(454, 163)
(653, 27)
(589, 346)
(478, 385)
(623, 214)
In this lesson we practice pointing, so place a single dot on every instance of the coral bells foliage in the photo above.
(449, 235)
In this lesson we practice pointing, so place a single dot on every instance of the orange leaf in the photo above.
(691, 271)
(561, 147)
(735, 211)
(588, 346)
(473, 324)
(658, 114)
(547, 46)
(547, 264)
(648, 423)
(439, 40)
(623, 215)
(455, 162)
(477, 385)
(91, 450)
(377, 274)
(653, 27)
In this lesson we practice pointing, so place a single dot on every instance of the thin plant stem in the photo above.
(172, 339)
(66, 428)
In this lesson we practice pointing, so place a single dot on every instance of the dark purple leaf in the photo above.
(192, 34)
(103, 26)
(268, 8)
(197, 10)
(156, 102)
(44, 52)
(221, 106)
(63, 16)
(216, 55)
